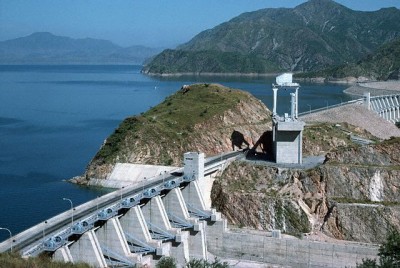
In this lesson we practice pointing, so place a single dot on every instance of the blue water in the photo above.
(53, 119)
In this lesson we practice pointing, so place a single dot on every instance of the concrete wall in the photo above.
(288, 147)
(288, 252)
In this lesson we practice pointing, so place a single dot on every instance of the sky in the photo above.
(154, 23)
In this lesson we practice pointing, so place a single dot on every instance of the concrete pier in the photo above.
(138, 236)
(63, 254)
(111, 236)
(193, 196)
(155, 214)
(177, 210)
(159, 225)
(87, 249)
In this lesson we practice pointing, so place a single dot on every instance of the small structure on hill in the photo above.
(287, 130)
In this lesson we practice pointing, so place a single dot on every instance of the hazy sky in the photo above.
(157, 23)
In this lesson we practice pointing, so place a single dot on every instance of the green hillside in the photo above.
(312, 36)
(382, 65)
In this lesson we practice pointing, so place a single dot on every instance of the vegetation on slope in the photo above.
(15, 261)
(323, 137)
(382, 65)
(389, 254)
(199, 117)
(169, 262)
(172, 120)
(208, 61)
(312, 36)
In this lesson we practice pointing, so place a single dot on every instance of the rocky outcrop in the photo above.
(353, 196)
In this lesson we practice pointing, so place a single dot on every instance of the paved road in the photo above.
(63, 220)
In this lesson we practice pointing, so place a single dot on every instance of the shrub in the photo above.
(166, 262)
(389, 253)
(196, 263)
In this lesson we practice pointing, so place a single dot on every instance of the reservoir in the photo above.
(53, 119)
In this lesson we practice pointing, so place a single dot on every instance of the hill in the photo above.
(384, 64)
(46, 48)
(312, 36)
(200, 117)
(348, 197)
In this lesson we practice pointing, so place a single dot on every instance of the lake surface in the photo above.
(53, 119)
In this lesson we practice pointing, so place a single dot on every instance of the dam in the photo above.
(168, 216)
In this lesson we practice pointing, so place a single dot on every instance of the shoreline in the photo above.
(205, 74)
(375, 88)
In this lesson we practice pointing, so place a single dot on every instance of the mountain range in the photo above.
(47, 48)
(312, 36)
(384, 64)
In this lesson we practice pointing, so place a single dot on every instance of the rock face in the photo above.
(353, 196)
(203, 117)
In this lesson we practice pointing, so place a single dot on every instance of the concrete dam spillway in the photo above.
(169, 216)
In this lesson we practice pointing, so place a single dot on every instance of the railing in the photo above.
(331, 106)
(379, 104)
(102, 208)
(386, 106)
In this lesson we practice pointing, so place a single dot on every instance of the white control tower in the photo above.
(194, 165)
(287, 130)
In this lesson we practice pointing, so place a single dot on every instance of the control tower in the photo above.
(287, 131)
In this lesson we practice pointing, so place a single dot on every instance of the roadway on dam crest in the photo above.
(357, 115)
(63, 220)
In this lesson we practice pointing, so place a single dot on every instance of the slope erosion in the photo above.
(354, 195)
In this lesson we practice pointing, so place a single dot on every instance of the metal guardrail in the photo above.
(330, 107)
(99, 210)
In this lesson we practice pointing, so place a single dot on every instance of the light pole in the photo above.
(309, 107)
(121, 191)
(72, 209)
(1, 228)
(44, 228)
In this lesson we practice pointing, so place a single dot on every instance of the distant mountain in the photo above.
(312, 36)
(384, 64)
(46, 48)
